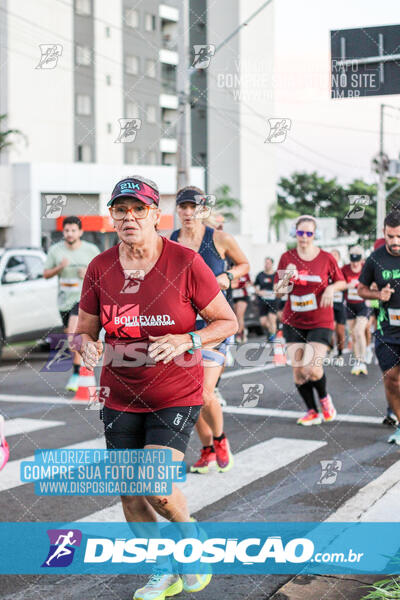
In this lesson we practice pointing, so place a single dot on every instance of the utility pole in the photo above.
(381, 197)
(183, 126)
(183, 78)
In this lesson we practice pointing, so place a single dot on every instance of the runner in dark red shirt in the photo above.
(339, 314)
(357, 310)
(146, 293)
(310, 276)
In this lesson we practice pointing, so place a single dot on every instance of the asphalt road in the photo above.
(265, 435)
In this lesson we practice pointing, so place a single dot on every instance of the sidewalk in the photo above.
(326, 587)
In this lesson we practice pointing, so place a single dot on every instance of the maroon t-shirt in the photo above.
(303, 309)
(351, 294)
(166, 301)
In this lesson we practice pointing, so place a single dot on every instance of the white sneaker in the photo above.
(160, 586)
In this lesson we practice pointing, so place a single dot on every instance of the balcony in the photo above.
(169, 57)
(168, 145)
(169, 100)
(168, 13)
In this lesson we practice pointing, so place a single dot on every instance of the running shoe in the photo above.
(363, 369)
(310, 418)
(390, 420)
(395, 437)
(73, 383)
(196, 583)
(220, 397)
(271, 338)
(4, 447)
(355, 369)
(223, 455)
(207, 459)
(328, 410)
(160, 585)
(369, 355)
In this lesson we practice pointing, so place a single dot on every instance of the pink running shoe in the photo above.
(4, 447)
(328, 410)
(310, 418)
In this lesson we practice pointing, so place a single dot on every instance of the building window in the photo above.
(84, 153)
(151, 68)
(132, 65)
(151, 114)
(108, 79)
(83, 105)
(132, 110)
(83, 7)
(83, 56)
(132, 17)
(152, 158)
(150, 22)
(133, 156)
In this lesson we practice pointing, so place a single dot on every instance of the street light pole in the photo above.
(381, 198)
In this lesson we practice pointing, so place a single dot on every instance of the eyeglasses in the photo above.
(300, 233)
(140, 211)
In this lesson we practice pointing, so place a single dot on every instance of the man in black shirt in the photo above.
(383, 268)
(267, 301)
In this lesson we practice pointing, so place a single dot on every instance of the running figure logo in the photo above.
(251, 394)
(330, 470)
(278, 130)
(204, 206)
(357, 207)
(133, 279)
(202, 55)
(285, 285)
(50, 53)
(97, 396)
(54, 205)
(60, 359)
(63, 543)
(128, 129)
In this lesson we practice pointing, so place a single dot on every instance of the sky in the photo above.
(336, 137)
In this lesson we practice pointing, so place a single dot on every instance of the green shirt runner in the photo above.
(69, 280)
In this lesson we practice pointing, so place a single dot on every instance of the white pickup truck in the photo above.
(28, 302)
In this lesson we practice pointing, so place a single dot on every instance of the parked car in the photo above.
(28, 302)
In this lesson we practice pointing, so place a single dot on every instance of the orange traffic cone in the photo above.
(86, 379)
(279, 350)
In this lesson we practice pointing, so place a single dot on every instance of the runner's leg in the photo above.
(359, 325)
(391, 380)
(240, 309)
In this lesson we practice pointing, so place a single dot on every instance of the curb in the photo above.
(326, 587)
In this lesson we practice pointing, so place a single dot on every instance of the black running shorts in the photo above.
(356, 309)
(321, 335)
(339, 312)
(169, 427)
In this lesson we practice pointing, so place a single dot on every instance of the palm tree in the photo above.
(224, 202)
(278, 214)
(5, 135)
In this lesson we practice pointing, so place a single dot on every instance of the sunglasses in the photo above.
(139, 211)
(300, 233)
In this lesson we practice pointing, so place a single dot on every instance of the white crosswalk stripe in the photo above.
(21, 426)
(294, 414)
(251, 464)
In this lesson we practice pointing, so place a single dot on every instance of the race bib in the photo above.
(394, 316)
(69, 283)
(352, 295)
(269, 295)
(238, 293)
(303, 303)
(338, 297)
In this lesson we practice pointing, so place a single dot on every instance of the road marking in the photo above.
(377, 501)
(40, 399)
(294, 414)
(251, 464)
(239, 372)
(18, 426)
(10, 475)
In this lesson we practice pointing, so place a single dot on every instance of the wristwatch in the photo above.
(230, 277)
(196, 341)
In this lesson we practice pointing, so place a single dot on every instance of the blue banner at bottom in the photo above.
(220, 548)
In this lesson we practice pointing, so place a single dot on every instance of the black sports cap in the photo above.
(190, 195)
